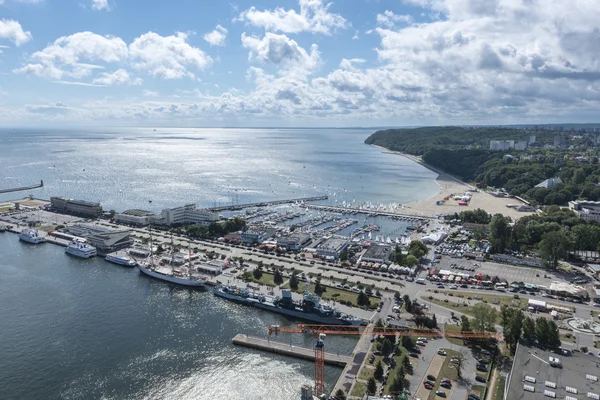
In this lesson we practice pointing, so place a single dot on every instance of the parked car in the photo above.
(480, 379)
(421, 343)
(441, 352)
(481, 367)
(415, 355)
(473, 397)
(428, 386)
(431, 377)
(440, 393)
(446, 380)
(416, 350)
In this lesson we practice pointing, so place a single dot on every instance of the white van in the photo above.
(420, 281)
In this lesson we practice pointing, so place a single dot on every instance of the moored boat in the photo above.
(81, 250)
(31, 236)
(120, 260)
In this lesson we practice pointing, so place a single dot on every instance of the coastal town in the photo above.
(444, 294)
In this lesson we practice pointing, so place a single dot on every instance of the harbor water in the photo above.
(88, 329)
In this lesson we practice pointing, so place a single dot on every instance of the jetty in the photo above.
(288, 350)
(20, 189)
(267, 203)
(351, 210)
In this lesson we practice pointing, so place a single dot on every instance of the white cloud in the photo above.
(217, 36)
(12, 30)
(78, 55)
(281, 51)
(389, 19)
(166, 56)
(314, 16)
(100, 5)
(118, 77)
(150, 93)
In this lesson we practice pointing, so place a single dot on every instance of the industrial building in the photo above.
(377, 253)
(135, 217)
(588, 210)
(294, 242)
(75, 207)
(539, 374)
(331, 248)
(103, 239)
(527, 261)
(188, 214)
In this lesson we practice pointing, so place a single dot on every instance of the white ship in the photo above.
(31, 236)
(121, 260)
(81, 250)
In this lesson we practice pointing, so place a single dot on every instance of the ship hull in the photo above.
(121, 263)
(80, 255)
(291, 314)
(31, 241)
(171, 279)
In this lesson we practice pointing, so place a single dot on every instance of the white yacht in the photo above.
(31, 236)
(121, 260)
(82, 250)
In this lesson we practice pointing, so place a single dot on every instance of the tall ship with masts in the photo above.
(171, 271)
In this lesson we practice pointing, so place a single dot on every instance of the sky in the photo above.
(298, 62)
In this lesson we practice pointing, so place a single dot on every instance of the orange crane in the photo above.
(323, 330)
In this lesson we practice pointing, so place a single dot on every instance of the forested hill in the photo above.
(418, 141)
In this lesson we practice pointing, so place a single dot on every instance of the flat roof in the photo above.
(138, 213)
(532, 362)
(377, 251)
(333, 244)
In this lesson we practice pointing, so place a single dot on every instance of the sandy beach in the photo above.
(449, 187)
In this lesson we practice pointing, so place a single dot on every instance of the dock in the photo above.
(351, 210)
(288, 350)
(20, 189)
(267, 203)
(350, 374)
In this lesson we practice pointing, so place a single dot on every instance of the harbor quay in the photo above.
(273, 346)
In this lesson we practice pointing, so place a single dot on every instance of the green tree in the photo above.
(512, 322)
(319, 290)
(460, 364)
(344, 254)
(418, 249)
(294, 282)
(407, 303)
(378, 374)
(553, 335)
(407, 342)
(411, 261)
(257, 272)
(362, 299)
(465, 325)
(500, 233)
(406, 363)
(529, 329)
(386, 347)
(542, 332)
(278, 277)
(371, 386)
(554, 246)
(397, 385)
(339, 395)
(484, 317)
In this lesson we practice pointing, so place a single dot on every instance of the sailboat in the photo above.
(179, 275)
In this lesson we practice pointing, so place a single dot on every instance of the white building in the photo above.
(532, 139)
(135, 217)
(332, 248)
(521, 146)
(589, 210)
(187, 214)
(499, 145)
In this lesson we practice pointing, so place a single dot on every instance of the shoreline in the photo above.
(450, 186)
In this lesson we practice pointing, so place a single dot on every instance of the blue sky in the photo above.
(298, 62)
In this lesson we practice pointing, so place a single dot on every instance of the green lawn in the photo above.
(453, 340)
(265, 279)
(359, 389)
(486, 296)
(564, 338)
(333, 293)
(453, 305)
(499, 395)
(366, 372)
(399, 358)
(448, 370)
(477, 390)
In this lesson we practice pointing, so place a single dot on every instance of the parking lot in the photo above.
(504, 271)
(22, 218)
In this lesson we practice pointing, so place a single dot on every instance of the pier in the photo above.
(288, 350)
(267, 203)
(350, 210)
(20, 189)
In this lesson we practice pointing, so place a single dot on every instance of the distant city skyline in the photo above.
(291, 63)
